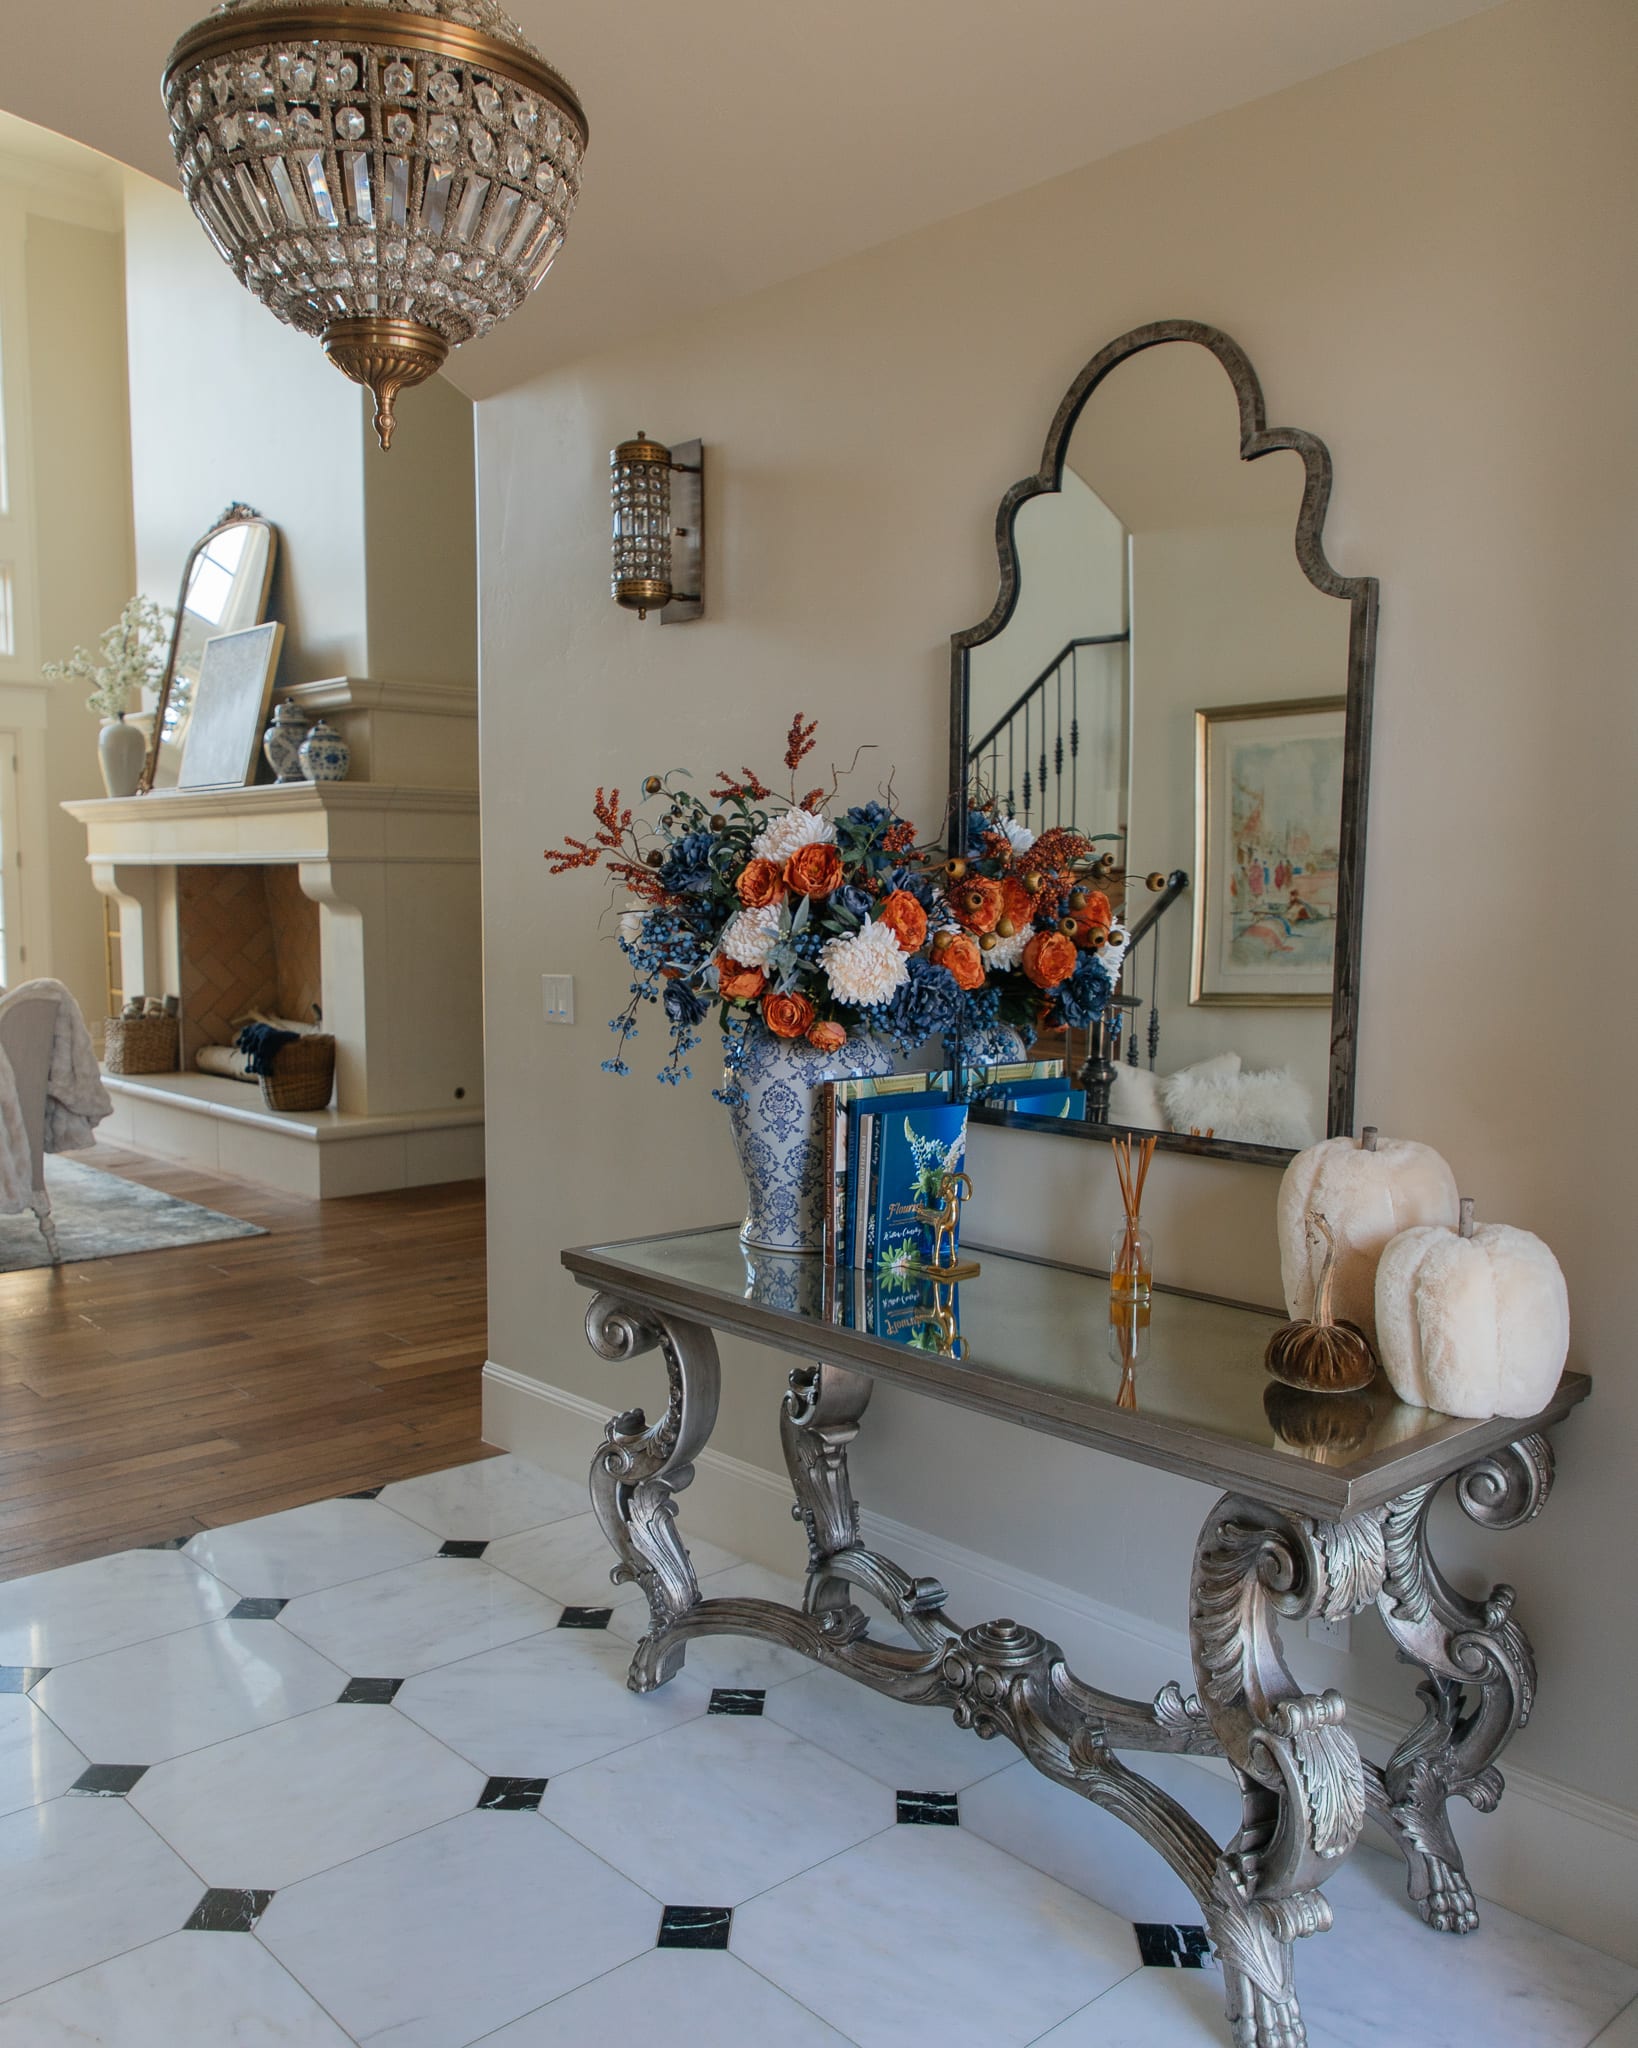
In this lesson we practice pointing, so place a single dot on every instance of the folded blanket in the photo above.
(261, 1044)
(76, 1100)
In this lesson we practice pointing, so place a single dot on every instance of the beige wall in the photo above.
(1427, 257)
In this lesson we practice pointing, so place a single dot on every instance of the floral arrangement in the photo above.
(134, 652)
(823, 924)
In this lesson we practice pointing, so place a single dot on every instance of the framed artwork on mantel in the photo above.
(1268, 819)
(230, 706)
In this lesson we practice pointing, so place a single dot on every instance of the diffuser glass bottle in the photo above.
(1131, 1263)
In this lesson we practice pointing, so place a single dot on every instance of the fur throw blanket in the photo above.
(76, 1101)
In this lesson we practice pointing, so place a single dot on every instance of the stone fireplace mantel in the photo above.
(394, 873)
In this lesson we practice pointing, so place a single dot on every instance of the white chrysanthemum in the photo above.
(1114, 953)
(749, 936)
(867, 967)
(1019, 837)
(631, 926)
(1005, 954)
(796, 829)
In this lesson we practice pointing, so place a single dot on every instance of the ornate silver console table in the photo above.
(1305, 1528)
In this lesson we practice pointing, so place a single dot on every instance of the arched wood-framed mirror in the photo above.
(225, 586)
(1173, 667)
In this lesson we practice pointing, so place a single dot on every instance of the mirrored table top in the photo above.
(1037, 1348)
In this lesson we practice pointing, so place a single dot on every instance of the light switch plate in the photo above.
(557, 996)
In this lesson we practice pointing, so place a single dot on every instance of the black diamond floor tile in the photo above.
(257, 1610)
(585, 1617)
(170, 1543)
(928, 1809)
(463, 1547)
(695, 1927)
(736, 1699)
(19, 1677)
(369, 1692)
(106, 1781)
(512, 1795)
(1165, 1947)
(364, 1493)
(227, 1912)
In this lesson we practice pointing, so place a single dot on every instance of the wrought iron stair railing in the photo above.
(1029, 760)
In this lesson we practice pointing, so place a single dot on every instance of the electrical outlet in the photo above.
(557, 995)
(1333, 1634)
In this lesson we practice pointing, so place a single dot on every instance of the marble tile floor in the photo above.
(367, 1772)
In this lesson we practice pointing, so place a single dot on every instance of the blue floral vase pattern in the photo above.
(777, 1133)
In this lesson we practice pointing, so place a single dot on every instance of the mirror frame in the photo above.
(1360, 593)
(235, 515)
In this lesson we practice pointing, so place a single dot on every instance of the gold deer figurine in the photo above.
(945, 1223)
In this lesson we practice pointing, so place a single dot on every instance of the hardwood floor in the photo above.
(151, 1396)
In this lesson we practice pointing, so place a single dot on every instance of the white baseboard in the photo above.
(1549, 1851)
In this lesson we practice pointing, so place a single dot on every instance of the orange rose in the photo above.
(760, 884)
(976, 903)
(1017, 904)
(963, 958)
(814, 871)
(787, 1016)
(1049, 959)
(905, 919)
(828, 1037)
(739, 984)
(1094, 915)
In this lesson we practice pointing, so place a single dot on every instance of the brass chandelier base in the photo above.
(387, 355)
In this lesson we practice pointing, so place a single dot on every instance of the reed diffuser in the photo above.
(1131, 1251)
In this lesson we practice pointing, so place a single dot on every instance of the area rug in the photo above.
(100, 1216)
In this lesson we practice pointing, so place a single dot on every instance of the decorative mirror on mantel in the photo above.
(1166, 674)
(225, 585)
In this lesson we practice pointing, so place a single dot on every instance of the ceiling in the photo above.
(736, 143)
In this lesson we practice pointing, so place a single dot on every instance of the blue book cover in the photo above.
(911, 1150)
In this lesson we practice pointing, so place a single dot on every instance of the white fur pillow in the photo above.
(1271, 1108)
(1134, 1100)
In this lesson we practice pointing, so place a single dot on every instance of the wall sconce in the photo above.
(659, 554)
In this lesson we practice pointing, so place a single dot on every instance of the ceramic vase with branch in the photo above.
(130, 657)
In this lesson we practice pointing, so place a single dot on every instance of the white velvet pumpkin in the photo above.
(1369, 1196)
(1474, 1326)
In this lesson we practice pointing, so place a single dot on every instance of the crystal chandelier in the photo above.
(393, 176)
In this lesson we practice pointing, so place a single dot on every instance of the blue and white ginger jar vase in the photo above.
(779, 1134)
(325, 755)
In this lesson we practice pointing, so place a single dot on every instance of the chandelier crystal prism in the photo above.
(392, 176)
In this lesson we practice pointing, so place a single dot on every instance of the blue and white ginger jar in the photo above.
(780, 1138)
(325, 755)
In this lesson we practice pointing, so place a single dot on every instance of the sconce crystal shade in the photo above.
(640, 502)
(392, 176)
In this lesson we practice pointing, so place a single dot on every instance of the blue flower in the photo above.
(859, 901)
(922, 887)
(868, 816)
(686, 869)
(1082, 999)
(684, 1005)
(925, 1005)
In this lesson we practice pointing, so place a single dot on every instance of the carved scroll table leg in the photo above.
(642, 1466)
(819, 1419)
(1480, 1683)
(1301, 1780)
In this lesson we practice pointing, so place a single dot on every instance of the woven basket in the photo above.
(304, 1073)
(140, 1045)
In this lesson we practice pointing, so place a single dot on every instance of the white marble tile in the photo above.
(1622, 2031)
(1084, 1847)
(440, 1939)
(932, 1935)
(700, 1998)
(571, 1560)
(186, 1991)
(82, 1880)
(37, 1761)
(731, 1660)
(409, 1620)
(495, 1497)
(535, 1708)
(161, 1698)
(1513, 1984)
(907, 1748)
(1154, 2009)
(267, 1809)
(83, 1609)
(715, 1811)
(305, 1549)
